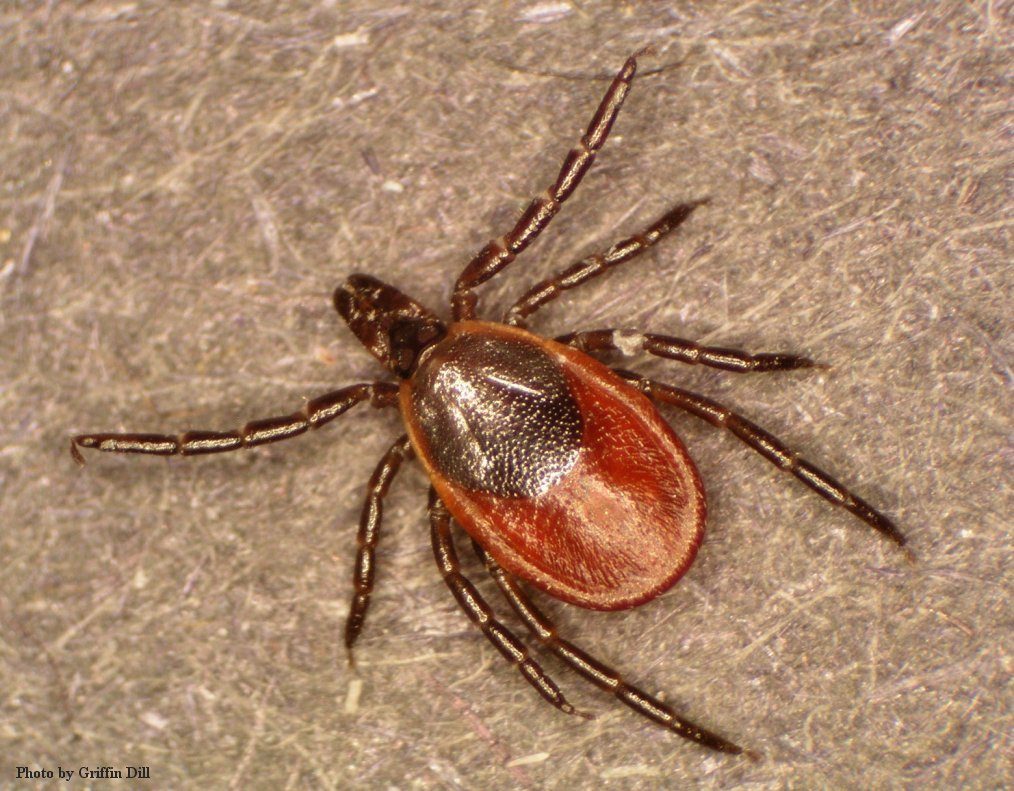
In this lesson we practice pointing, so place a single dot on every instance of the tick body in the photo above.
(562, 471)
(559, 468)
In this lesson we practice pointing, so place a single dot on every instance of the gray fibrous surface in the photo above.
(183, 185)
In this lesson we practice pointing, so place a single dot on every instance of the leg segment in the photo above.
(598, 264)
(368, 536)
(684, 351)
(314, 414)
(480, 613)
(772, 449)
(600, 675)
(500, 252)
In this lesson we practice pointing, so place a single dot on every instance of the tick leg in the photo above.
(369, 534)
(598, 264)
(772, 449)
(314, 414)
(600, 675)
(482, 615)
(500, 252)
(671, 348)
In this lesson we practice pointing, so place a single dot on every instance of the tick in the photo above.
(559, 468)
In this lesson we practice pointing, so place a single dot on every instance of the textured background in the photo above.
(181, 191)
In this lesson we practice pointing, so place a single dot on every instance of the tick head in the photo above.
(395, 328)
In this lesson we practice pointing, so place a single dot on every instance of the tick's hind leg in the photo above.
(482, 615)
(595, 265)
(368, 536)
(672, 348)
(500, 252)
(772, 449)
(600, 675)
(314, 414)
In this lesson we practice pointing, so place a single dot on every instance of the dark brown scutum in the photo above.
(497, 415)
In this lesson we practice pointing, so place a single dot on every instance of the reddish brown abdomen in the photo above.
(614, 511)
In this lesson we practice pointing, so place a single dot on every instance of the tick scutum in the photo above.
(496, 414)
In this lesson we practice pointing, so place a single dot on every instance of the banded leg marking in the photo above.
(602, 676)
(596, 265)
(314, 414)
(482, 615)
(368, 536)
(496, 255)
(684, 351)
(772, 449)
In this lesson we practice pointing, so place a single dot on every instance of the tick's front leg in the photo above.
(314, 414)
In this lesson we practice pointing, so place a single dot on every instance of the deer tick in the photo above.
(559, 468)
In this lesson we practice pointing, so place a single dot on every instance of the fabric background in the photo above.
(183, 185)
